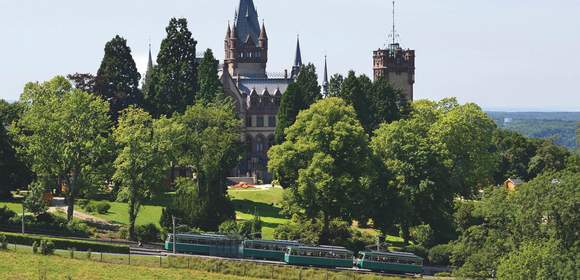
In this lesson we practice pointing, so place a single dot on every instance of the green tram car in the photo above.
(205, 244)
(273, 250)
(323, 256)
(398, 262)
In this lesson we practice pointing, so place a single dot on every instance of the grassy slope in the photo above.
(265, 203)
(14, 206)
(27, 266)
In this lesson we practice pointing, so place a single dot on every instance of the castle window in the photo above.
(260, 121)
(249, 121)
(272, 121)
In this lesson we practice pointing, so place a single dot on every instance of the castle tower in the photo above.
(246, 44)
(395, 64)
(297, 60)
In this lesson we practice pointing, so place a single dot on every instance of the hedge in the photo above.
(65, 244)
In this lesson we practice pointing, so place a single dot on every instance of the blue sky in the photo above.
(515, 55)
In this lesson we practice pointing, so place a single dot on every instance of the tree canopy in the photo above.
(323, 161)
(117, 79)
(63, 135)
(210, 87)
(173, 82)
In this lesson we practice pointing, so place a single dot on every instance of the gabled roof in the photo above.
(246, 21)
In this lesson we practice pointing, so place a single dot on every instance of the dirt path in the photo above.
(60, 206)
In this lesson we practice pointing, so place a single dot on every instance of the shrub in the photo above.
(6, 214)
(422, 235)
(35, 247)
(64, 244)
(34, 201)
(82, 203)
(46, 247)
(103, 207)
(148, 233)
(124, 233)
(439, 255)
(417, 250)
(90, 207)
(71, 253)
(3, 242)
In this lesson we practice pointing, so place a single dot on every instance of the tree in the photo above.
(117, 80)
(63, 134)
(209, 144)
(335, 85)
(538, 260)
(515, 152)
(83, 81)
(324, 162)
(34, 201)
(173, 82)
(210, 87)
(298, 96)
(142, 162)
(549, 157)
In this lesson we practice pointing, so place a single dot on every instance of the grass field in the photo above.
(28, 266)
(265, 203)
(80, 265)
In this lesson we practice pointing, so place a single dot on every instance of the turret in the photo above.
(297, 60)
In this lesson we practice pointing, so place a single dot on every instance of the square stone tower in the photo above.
(397, 66)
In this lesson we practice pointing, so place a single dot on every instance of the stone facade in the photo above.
(256, 94)
(397, 65)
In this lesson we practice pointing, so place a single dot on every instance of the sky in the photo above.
(516, 55)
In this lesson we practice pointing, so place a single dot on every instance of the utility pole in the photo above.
(174, 238)
(22, 217)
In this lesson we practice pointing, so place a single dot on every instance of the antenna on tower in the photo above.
(394, 36)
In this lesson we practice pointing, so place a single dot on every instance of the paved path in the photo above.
(60, 206)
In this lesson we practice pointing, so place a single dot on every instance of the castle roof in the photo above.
(263, 85)
(246, 21)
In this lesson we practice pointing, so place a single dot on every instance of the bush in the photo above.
(90, 207)
(3, 242)
(82, 203)
(439, 255)
(46, 247)
(103, 207)
(5, 215)
(417, 250)
(147, 233)
(124, 233)
(64, 244)
(422, 235)
(35, 247)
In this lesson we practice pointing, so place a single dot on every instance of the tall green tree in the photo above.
(142, 162)
(324, 162)
(173, 83)
(209, 144)
(298, 96)
(117, 80)
(83, 81)
(63, 134)
(13, 172)
(210, 87)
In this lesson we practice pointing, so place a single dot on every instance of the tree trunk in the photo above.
(325, 234)
(70, 209)
(406, 233)
(72, 190)
(132, 218)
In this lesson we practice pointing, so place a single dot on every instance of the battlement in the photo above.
(394, 58)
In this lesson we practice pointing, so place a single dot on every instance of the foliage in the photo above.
(64, 244)
(5, 215)
(148, 233)
(13, 172)
(142, 161)
(422, 235)
(103, 207)
(324, 161)
(298, 96)
(173, 83)
(417, 250)
(208, 142)
(443, 150)
(63, 134)
(3, 242)
(83, 81)
(251, 229)
(46, 247)
(543, 211)
(439, 255)
(210, 87)
(34, 201)
(375, 102)
(539, 260)
(117, 80)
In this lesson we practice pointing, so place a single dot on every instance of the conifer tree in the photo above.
(299, 96)
(173, 83)
(210, 87)
(117, 80)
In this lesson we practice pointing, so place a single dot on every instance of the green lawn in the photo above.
(265, 203)
(14, 206)
(119, 214)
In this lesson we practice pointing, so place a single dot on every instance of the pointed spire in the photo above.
(325, 79)
(150, 62)
(247, 22)
(298, 57)
(229, 32)
(263, 34)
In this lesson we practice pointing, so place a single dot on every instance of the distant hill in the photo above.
(560, 126)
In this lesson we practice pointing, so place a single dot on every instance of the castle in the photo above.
(256, 93)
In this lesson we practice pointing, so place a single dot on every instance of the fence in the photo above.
(242, 268)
